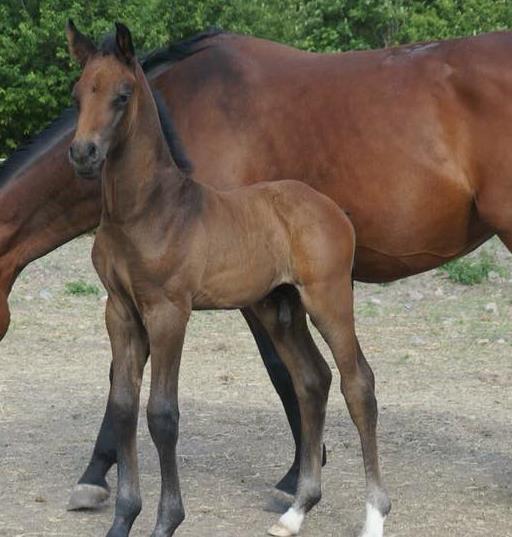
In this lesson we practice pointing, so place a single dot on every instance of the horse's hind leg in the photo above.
(330, 305)
(284, 319)
(283, 385)
(92, 489)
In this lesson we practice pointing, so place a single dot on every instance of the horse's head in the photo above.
(104, 97)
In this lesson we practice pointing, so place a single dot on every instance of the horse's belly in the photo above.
(384, 258)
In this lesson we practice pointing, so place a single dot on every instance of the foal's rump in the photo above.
(322, 238)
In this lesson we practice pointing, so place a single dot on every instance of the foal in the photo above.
(167, 245)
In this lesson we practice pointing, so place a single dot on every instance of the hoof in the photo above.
(278, 530)
(289, 524)
(86, 496)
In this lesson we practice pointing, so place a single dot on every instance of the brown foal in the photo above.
(167, 245)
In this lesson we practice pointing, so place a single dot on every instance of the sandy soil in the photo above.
(442, 359)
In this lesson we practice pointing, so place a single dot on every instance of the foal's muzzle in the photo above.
(86, 158)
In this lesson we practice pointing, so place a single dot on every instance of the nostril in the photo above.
(92, 150)
(71, 152)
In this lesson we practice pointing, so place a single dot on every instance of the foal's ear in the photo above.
(124, 43)
(80, 46)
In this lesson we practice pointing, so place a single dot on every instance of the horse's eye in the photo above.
(121, 99)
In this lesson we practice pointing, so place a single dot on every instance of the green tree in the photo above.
(36, 72)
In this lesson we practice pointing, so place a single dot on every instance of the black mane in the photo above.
(171, 54)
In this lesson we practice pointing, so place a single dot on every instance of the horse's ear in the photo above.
(80, 46)
(124, 43)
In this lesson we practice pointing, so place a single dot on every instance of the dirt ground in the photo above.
(441, 353)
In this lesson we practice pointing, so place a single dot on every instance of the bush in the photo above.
(80, 287)
(471, 271)
(36, 72)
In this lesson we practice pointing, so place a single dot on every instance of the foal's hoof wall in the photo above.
(289, 524)
(86, 496)
(279, 530)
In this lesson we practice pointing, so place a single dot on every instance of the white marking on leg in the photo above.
(374, 525)
(289, 524)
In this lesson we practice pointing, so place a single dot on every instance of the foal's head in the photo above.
(105, 97)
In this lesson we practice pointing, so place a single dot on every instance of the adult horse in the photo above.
(412, 141)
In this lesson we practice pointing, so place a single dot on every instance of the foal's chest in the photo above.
(123, 266)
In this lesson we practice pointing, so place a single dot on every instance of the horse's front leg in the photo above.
(166, 326)
(129, 354)
(92, 488)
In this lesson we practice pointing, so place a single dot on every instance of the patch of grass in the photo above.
(81, 288)
(471, 271)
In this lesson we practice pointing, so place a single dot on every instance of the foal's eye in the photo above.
(121, 99)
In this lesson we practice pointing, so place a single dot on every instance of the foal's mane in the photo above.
(170, 54)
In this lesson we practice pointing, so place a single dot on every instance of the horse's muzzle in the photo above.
(86, 158)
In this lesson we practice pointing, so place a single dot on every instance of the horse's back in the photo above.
(405, 139)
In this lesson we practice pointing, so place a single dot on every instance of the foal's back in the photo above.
(267, 234)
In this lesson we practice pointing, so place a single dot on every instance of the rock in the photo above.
(376, 301)
(417, 341)
(45, 294)
(500, 341)
(483, 341)
(493, 276)
(439, 291)
(415, 295)
(492, 307)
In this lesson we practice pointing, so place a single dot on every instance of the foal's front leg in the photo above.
(166, 326)
(129, 354)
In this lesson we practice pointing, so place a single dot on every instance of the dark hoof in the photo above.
(288, 484)
(86, 496)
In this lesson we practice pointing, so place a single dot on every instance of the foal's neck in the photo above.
(140, 169)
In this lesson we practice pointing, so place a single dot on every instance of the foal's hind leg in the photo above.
(284, 319)
(330, 305)
(283, 385)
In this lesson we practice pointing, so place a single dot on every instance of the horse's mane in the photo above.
(172, 53)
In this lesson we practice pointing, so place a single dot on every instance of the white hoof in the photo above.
(289, 524)
(278, 530)
(86, 496)
(374, 525)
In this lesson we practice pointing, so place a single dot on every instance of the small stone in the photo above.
(376, 301)
(45, 294)
(483, 341)
(439, 291)
(29, 298)
(492, 307)
(418, 341)
(416, 295)
(493, 276)
(500, 341)
(40, 499)
(104, 298)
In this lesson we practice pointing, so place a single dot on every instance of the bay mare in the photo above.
(412, 141)
(167, 245)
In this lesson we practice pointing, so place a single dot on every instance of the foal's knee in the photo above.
(163, 420)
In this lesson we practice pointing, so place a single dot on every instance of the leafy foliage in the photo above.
(470, 271)
(82, 288)
(36, 72)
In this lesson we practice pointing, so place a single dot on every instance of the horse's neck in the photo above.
(141, 171)
(32, 205)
